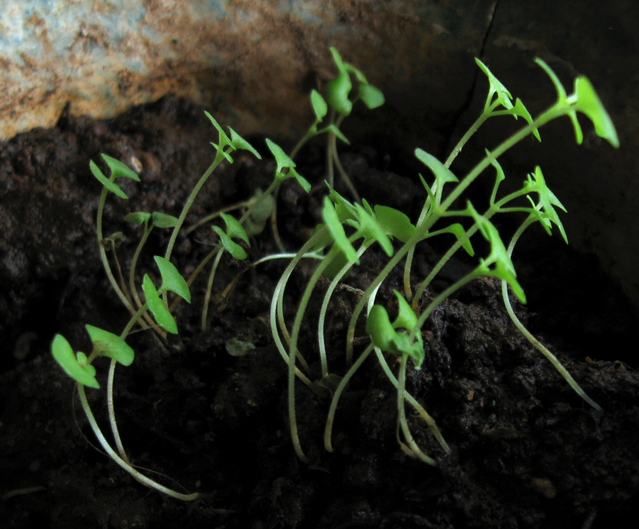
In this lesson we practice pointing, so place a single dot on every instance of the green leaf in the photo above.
(162, 220)
(229, 245)
(119, 169)
(333, 128)
(496, 88)
(139, 217)
(337, 231)
(458, 231)
(406, 317)
(320, 108)
(370, 229)
(108, 184)
(237, 142)
(583, 99)
(338, 89)
(394, 223)
(380, 329)
(303, 182)
(520, 110)
(499, 177)
(372, 97)
(345, 209)
(386, 337)
(223, 138)
(106, 343)
(443, 175)
(234, 228)
(587, 101)
(171, 279)
(76, 367)
(547, 200)
(282, 159)
(499, 260)
(157, 307)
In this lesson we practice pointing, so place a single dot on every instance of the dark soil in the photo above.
(527, 452)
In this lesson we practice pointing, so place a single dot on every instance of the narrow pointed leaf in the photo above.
(230, 245)
(337, 231)
(234, 228)
(237, 142)
(496, 87)
(171, 279)
(108, 184)
(157, 307)
(119, 169)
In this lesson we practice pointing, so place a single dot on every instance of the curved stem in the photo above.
(103, 256)
(330, 419)
(432, 425)
(185, 210)
(209, 288)
(121, 462)
(529, 336)
(321, 342)
(402, 423)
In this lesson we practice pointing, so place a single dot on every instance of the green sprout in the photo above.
(347, 231)
(344, 223)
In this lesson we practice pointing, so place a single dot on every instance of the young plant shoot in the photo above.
(347, 231)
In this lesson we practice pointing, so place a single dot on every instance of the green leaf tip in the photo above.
(338, 88)
(496, 88)
(75, 366)
(157, 307)
(372, 97)
(334, 225)
(119, 169)
(172, 280)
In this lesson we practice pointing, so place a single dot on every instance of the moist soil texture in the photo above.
(526, 451)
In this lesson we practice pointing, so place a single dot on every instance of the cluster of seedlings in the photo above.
(348, 230)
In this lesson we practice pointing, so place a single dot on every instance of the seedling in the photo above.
(348, 230)
(403, 337)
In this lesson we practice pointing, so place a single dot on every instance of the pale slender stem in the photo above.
(324, 308)
(432, 425)
(194, 193)
(110, 405)
(529, 336)
(103, 255)
(209, 288)
(412, 449)
(277, 301)
(330, 419)
(297, 324)
(121, 462)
